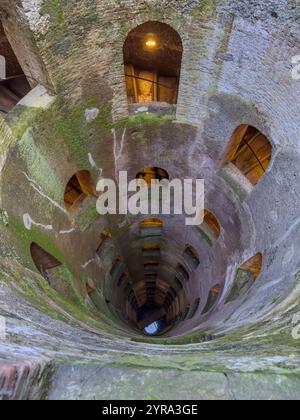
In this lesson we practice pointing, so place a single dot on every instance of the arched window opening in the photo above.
(117, 265)
(191, 257)
(151, 291)
(152, 59)
(186, 312)
(151, 223)
(250, 151)
(210, 229)
(151, 276)
(211, 220)
(78, 188)
(45, 263)
(90, 289)
(194, 308)
(105, 235)
(182, 273)
(170, 296)
(13, 83)
(212, 298)
(245, 277)
(151, 265)
(151, 228)
(178, 283)
(151, 173)
(123, 280)
(151, 251)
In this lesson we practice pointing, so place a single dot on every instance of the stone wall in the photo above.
(236, 70)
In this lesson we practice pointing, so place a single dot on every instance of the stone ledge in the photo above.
(160, 108)
(88, 382)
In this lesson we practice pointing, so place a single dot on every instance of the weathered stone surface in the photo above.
(89, 382)
(97, 383)
(24, 381)
(236, 69)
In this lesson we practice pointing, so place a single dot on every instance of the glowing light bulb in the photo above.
(151, 43)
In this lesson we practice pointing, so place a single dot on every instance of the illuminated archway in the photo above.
(212, 298)
(150, 173)
(152, 60)
(13, 82)
(250, 151)
(78, 188)
(245, 277)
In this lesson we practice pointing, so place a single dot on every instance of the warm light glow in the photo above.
(151, 43)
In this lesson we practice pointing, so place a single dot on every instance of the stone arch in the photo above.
(78, 188)
(250, 151)
(152, 59)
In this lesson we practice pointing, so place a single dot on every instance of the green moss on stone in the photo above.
(21, 118)
(86, 214)
(147, 118)
(4, 220)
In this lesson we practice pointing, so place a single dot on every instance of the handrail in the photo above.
(255, 155)
(151, 81)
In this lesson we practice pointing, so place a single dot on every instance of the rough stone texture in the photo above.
(236, 69)
(24, 381)
(96, 383)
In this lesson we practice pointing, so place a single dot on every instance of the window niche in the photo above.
(245, 277)
(13, 82)
(250, 151)
(151, 228)
(151, 173)
(194, 308)
(182, 274)
(151, 251)
(44, 262)
(191, 257)
(103, 239)
(210, 229)
(53, 271)
(117, 267)
(152, 62)
(212, 298)
(79, 187)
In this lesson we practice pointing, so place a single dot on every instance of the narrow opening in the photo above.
(210, 229)
(123, 280)
(212, 298)
(150, 265)
(104, 237)
(151, 223)
(254, 265)
(186, 312)
(245, 277)
(250, 151)
(150, 173)
(78, 188)
(13, 82)
(90, 289)
(45, 263)
(152, 60)
(194, 308)
(191, 257)
(211, 220)
(151, 251)
(178, 283)
(116, 266)
(151, 228)
(151, 276)
(182, 273)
